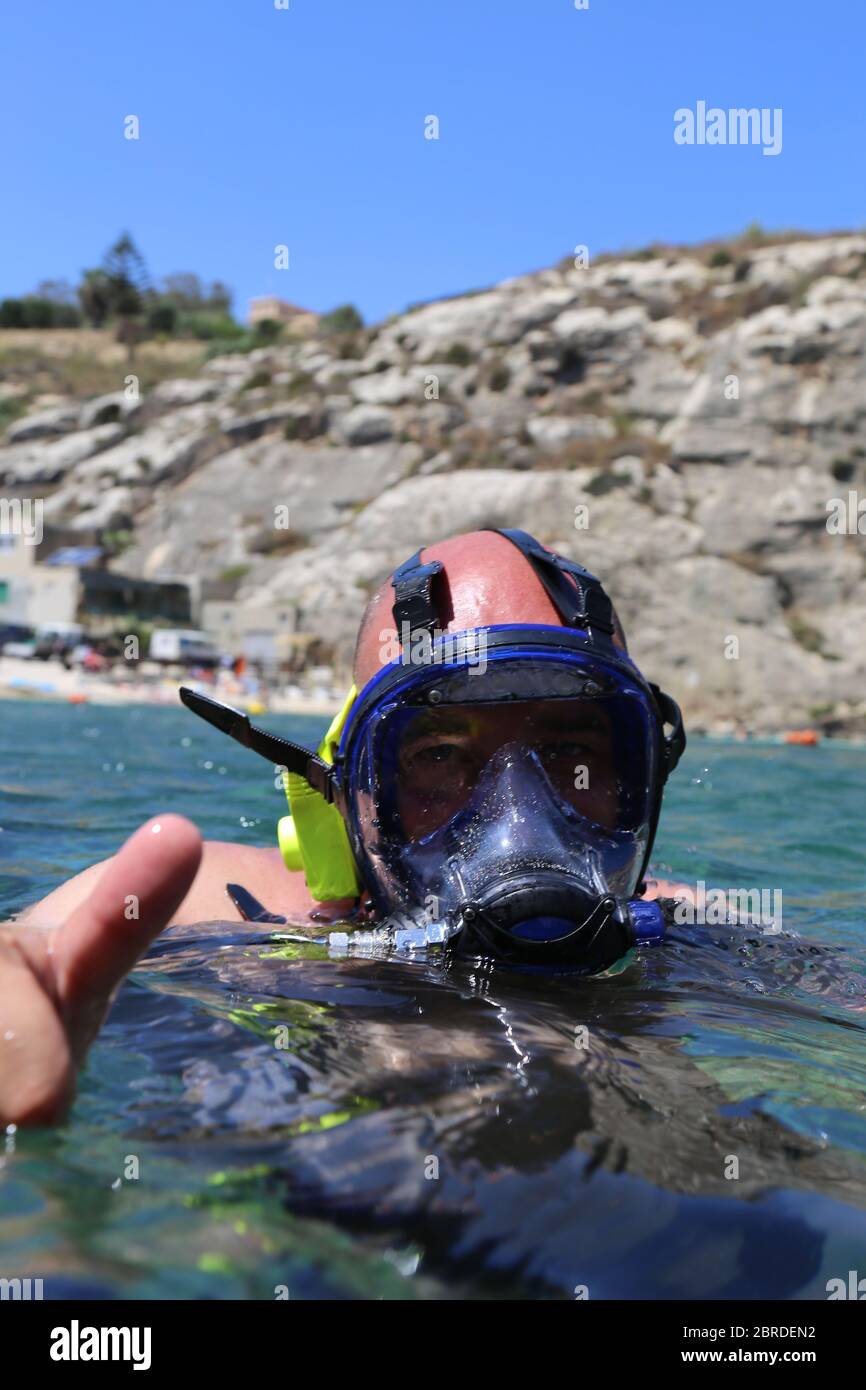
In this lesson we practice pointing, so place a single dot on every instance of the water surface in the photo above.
(399, 1128)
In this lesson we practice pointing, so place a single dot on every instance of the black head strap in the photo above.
(413, 595)
(675, 741)
(279, 751)
(581, 603)
(576, 594)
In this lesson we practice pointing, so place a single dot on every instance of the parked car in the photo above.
(57, 639)
(16, 635)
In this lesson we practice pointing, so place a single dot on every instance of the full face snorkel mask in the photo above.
(505, 782)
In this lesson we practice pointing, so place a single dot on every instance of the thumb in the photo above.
(134, 898)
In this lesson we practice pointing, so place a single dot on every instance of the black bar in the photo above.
(245, 1338)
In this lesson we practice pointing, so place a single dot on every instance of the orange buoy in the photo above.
(807, 737)
(77, 699)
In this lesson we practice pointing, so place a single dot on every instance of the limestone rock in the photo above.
(46, 424)
(363, 424)
(183, 391)
(36, 463)
(553, 432)
(116, 407)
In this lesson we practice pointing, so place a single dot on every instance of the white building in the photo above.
(32, 593)
(265, 634)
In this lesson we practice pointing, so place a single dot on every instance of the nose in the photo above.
(512, 809)
(514, 776)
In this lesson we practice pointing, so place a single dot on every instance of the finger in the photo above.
(36, 1076)
(134, 898)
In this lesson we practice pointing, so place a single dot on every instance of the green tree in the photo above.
(11, 314)
(124, 264)
(183, 289)
(220, 298)
(162, 317)
(58, 291)
(130, 289)
(202, 312)
(267, 331)
(94, 294)
(35, 311)
(344, 319)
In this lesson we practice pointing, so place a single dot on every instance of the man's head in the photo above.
(485, 581)
(519, 792)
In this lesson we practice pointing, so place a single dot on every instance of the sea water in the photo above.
(260, 1115)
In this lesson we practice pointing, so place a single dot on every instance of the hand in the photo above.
(663, 888)
(56, 983)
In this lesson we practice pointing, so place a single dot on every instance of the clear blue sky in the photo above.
(306, 127)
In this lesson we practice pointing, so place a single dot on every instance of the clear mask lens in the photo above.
(528, 767)
(441, 755)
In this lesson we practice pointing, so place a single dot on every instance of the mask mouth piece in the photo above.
(542, 929)
(543, 914)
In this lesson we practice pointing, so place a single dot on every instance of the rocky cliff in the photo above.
(679, 420)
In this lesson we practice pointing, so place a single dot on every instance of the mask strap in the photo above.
(577, 595)
(413, 595)
(581, 603)
(675, 741)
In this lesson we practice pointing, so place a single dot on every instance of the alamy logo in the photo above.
(738, 125)
(21, 1289)
(717, 906)
(77, 1343)
(854, 1288)
(847, 517)
(423, 648)
(22, 516)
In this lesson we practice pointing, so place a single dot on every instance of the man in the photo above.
(443, 756)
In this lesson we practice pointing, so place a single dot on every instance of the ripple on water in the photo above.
(396, 1128)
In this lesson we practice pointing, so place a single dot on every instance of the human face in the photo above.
(443, 753)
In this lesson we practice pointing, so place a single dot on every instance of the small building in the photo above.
(265, 636)
(32, 593)
(108, 597)
(300, 321)
(68, 585)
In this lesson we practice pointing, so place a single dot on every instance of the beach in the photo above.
(150, 684)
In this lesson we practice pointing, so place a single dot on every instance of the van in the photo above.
(183, 647)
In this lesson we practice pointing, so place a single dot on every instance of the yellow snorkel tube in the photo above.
(313, 837)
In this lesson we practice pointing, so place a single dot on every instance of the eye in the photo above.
(439, 753)
(435, 755)
(567, 751)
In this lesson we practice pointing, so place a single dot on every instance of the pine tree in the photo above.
(129, 287)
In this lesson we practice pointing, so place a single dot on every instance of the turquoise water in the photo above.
(431, 1130)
